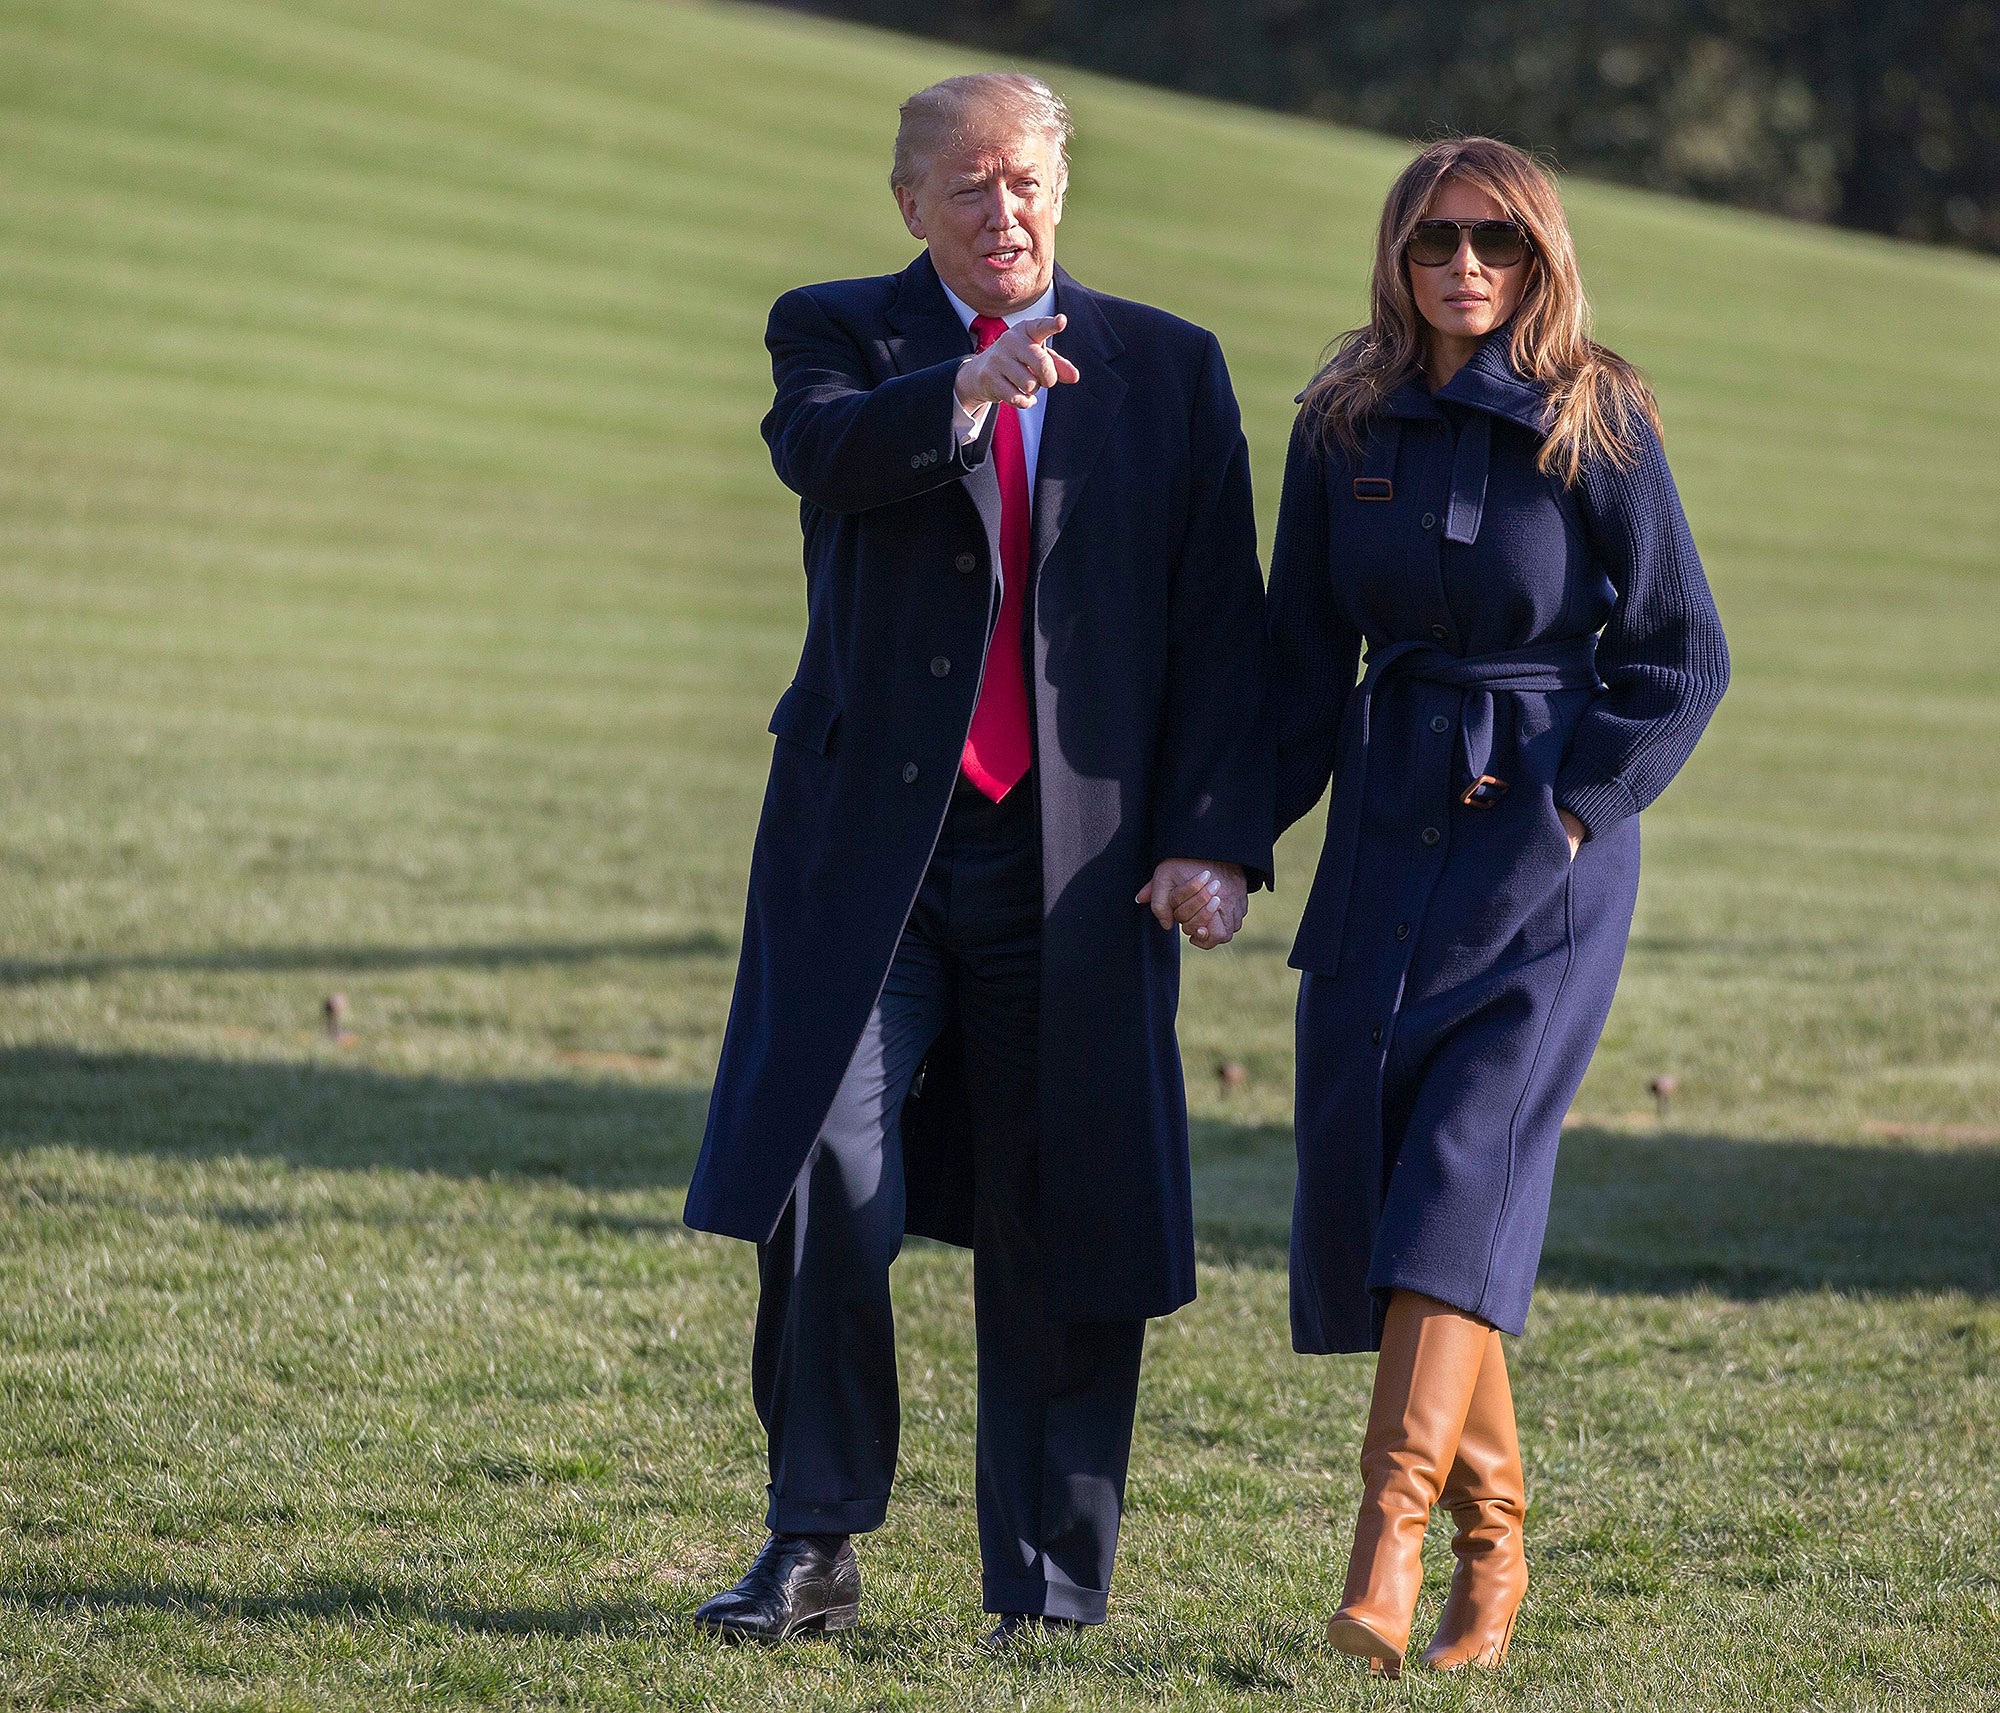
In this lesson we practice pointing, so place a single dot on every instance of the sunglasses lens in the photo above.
(1433, 243)
(1498, 243)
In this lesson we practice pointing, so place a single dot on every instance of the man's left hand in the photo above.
(1207, 899)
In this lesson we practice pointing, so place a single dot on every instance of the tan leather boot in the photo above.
(1487, 1497)
(1424, 1379)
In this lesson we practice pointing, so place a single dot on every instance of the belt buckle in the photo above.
(1374, 488)
(1484, 792)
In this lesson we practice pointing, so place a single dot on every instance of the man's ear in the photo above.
(1062, 192)
(907, 203)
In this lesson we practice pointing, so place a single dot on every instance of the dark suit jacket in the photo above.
(1144, 666)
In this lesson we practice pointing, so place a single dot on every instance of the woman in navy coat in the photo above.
(1476, 492)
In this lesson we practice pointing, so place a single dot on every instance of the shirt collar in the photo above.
(1043, 305)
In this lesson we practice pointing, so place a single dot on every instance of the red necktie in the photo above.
(996, 749)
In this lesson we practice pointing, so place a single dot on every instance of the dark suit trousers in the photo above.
(1055, 1397)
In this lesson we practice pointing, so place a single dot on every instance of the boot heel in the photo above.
(841, 1618)
(1351, 1637)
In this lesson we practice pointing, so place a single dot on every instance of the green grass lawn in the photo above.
(393, 590)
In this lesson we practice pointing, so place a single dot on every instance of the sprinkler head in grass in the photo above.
(333, 1012)
(1231, 1074)
(1662, 1090)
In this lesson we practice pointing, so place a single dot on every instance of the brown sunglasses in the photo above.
(1497, 243)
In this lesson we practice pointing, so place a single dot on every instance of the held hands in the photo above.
(1015, 366)
(1573, 827)
(1208, 899)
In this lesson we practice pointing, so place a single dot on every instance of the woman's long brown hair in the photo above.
(1596, 398)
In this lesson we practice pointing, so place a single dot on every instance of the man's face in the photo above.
(988, 209)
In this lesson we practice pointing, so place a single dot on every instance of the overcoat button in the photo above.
(909, 773)
(966, 561)
(1375, 1034)
(1439, 723)
(1440, 632)
(1431, 834)
(1430, 520)
(940, 667)
(1402, 930)
(916, 461)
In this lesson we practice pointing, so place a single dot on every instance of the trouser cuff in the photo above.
(1044, 1599)
(825, 1516)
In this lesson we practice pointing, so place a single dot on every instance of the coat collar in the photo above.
(1489, 382)
(925, 330)
(1492, 389)
(1079, 416)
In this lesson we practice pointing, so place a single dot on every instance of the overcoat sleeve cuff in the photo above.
(1203, 845)
(1599, 807)
(924, 434)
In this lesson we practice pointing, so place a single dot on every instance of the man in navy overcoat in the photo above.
(1020, 747)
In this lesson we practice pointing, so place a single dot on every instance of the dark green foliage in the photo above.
(1883, 117)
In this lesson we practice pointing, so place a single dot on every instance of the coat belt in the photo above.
(1567, 665)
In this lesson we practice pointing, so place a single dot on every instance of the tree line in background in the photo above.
(1877, 114)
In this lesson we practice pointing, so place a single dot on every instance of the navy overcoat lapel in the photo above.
(924, 331)
(1078, 417)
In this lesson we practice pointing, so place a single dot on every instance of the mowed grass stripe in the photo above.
(337, 380)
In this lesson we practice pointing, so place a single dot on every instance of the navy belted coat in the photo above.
(1144, 658)
(1534, 645)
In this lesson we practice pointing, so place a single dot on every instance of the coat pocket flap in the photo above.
(805, 717)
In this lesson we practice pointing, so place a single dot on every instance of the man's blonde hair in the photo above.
(935, 118)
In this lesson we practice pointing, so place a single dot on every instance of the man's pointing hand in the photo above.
(1015, 366)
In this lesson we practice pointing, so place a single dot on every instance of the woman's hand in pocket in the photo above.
(1573, 827)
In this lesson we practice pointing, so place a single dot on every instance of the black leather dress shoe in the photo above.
(797, 1583)
(1019, 1626)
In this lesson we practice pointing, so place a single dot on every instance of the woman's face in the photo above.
(1466, 298)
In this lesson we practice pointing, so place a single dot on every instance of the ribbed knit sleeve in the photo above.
(1314, 651)
(1662, 656)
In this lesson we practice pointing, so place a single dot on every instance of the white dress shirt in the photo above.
(966, 424)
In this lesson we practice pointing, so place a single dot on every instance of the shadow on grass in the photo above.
(1671, 1212)
(341, 960)
(1655, 1213)
(345, 1117)
(342, 1601)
